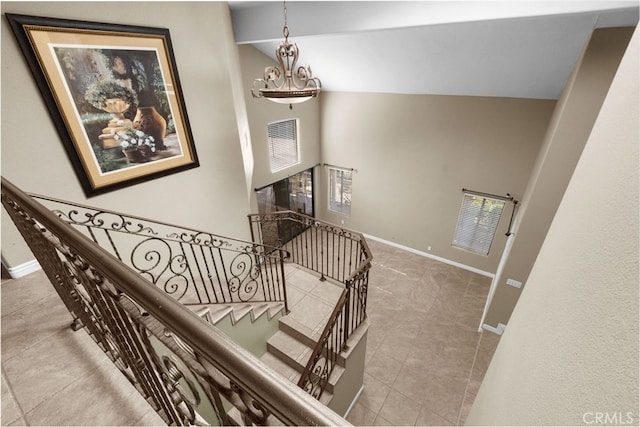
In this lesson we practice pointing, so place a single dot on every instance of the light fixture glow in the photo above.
(282, 85)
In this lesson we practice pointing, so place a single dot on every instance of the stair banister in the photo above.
(352, 305)
(280, 397)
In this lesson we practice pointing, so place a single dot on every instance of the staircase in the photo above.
(248, 324)
(288, 352)
(135, 284)
(290, 338)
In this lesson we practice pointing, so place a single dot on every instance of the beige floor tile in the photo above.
(10, 410)
(395, 347)
(413, 383)
(483, 358)
(444, 399)
(383, 367)
(457, 283)
(290, 270)
(112, 401)
(479, 289)
(304, 281)
(361, 415)
(30, 325)
(489, 341)
(19, 422)
(452, 370)
(462, 345)
(310, 312)
(328, 292)
(374, 394)
(399, 409)
(43, 369)
(428, 418)
(17, 294)
(151, 418)
(478, 279)
(294, 295)
(465, 409)
(380, 421)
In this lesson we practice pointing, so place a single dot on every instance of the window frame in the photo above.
(475, 240)
(330, 193)
(271, 146)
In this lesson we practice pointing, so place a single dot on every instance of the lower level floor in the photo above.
(424, 364)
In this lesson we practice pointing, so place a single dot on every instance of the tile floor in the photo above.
(52, 375)
(425, 358)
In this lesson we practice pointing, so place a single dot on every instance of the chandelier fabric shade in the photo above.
(282, 84)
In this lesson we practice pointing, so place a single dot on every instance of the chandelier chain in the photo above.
(285, 30)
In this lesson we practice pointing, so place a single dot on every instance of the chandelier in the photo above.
(282, 85)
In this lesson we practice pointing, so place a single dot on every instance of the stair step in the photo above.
(303, 334)
(291, 351)
(288, 354)
(214, 313)
(299, 331)
(294, 376)
(280, 367)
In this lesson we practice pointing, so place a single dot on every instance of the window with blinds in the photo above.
(340, 191)
(477, 223)
(283, 144)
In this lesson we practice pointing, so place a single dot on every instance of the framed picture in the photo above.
(114, 95)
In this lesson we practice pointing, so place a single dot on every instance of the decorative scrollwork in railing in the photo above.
(100, 219)
(188, 371)
(148, 258)
(203, 239)
(315, 377)
(316, 380)
(244, 276)
(192, 266)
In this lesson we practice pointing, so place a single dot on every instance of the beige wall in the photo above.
(212, 197)
(261, 112)
(413, 155)
(570, 127)
(564, 359)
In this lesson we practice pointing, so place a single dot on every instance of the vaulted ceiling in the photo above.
(521, 49)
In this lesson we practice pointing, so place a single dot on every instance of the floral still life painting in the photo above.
(114, 95)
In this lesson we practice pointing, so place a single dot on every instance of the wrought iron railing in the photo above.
(193, 266)
(189, 372)
(316, 373)
(340, 254)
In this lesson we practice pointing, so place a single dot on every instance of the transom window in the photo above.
(340, 191)
(477, 223)
(283, 144)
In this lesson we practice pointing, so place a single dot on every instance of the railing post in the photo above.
(347, 316)
(283, 283)
(253, 238)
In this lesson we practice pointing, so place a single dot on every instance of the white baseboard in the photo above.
(24, 269)
(353, 402)
(428, 255)
(497, 330)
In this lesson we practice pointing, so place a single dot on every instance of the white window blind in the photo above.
(477, 223)
(340, 191)
(283, 144)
